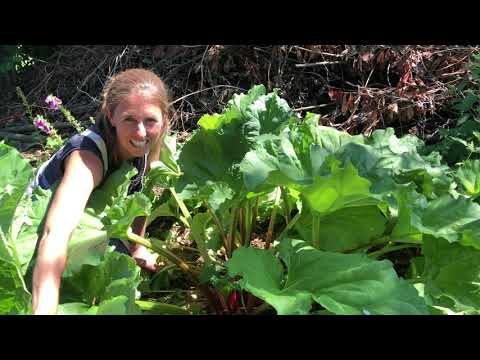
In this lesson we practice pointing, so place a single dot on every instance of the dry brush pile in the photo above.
(354, 88)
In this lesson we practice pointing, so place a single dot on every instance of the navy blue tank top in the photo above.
(91, 140)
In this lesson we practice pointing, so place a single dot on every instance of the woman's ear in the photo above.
(109, 117)
(166, 121)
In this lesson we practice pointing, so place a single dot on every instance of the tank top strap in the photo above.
(98, 140)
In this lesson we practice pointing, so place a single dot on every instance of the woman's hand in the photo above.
(45, 292)
(144, 258)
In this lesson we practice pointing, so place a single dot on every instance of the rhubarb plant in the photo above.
(284, 215)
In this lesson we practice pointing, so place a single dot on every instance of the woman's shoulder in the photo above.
(79, 137)
(92, 140)
(87, 140)
(53, 169)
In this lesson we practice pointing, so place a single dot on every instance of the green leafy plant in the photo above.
(462, 141)
(14, 58)
(283, 214)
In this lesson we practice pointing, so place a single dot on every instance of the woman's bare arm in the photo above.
(83, 172)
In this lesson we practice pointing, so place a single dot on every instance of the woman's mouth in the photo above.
(139, 144)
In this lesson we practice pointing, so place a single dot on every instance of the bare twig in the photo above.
(201, 66)
(86, 79)
(317, 64)
(199, 91)
(311, 107)
(319, 52)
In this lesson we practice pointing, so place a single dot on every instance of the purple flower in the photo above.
(41, 123)
(53, 102)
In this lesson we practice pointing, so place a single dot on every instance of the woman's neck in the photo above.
(118, 157)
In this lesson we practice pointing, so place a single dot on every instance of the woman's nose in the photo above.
(140, 130)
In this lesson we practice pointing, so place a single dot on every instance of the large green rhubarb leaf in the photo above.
(342, 189)
(120, 216)
(219, 145)
(28, 222)
(456, 220)
(273, 163)
(89, 239)
(86, 246)
(294, 156)
(384, 155)
(111, 285)
(452, 275)
(76, 309)
(14, 297)
(345, 229)
(309, 132)
(88, 243)
(341, 283)
(449, 218)
(469, 176)
(166, 170)
(114, 187)
(15, 176)
(409, 212)
(270, 112)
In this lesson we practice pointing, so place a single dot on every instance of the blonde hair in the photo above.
(116, 90)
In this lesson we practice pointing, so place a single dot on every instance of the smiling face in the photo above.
(139, 123)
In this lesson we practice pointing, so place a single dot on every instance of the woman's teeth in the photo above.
(140, 144)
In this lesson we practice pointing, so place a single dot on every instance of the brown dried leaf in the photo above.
(419, 106)
(380, 57)
(393, 108)
(344, 108)
(366, 57)
(407, 76)
(335, 95)
(348, 103)
(213, 56)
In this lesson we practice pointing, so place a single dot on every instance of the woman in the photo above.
(130, 127)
